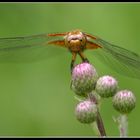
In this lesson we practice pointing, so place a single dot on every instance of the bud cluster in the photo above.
(85, 80)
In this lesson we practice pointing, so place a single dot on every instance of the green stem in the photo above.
(123, 125)
(99, 121)
(100, 125)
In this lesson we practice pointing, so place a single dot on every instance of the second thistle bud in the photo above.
(86, 111)
(124, 101)
(106, 86)
(84, 77)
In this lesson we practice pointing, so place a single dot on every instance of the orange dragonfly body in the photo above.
(76, 42)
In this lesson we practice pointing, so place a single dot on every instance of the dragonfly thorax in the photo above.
(75, 41)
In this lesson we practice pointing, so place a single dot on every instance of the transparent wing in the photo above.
(26, 49)
(121, 60)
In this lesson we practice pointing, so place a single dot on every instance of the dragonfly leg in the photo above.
(73, 60)
(72, 64)
(84, 59)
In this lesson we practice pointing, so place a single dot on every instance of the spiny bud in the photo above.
(124, 101)
(86, 111)
(84, 77)
(106, 86)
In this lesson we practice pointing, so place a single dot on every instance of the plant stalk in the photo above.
(123, 125)
(99, 121)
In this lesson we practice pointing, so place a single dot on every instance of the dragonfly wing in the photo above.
(120, 59)
(26, 49)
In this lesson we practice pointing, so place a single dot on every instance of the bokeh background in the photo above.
(35, 98)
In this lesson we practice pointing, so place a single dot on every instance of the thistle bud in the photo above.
(106, 86)
(86, 111)
(124, 101)
(84, 77)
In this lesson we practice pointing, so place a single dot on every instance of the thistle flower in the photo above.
(124, 101)
(86, 111)
(84, 77)
(106, 86)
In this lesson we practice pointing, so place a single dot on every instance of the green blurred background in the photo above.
(35, 98)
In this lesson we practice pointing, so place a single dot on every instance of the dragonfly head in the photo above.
(75, 40)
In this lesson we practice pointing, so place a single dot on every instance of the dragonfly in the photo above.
(120, 59)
